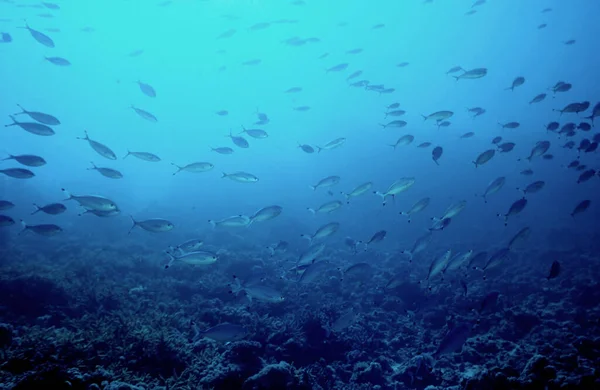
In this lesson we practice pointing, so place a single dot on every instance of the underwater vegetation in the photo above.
(261, 194)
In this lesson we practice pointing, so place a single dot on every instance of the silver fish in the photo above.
(155, 225)
(438, 265)
(18, 173)
(484, 157)
(438, 115)
(52, 208)
(59, 61)
(242, 177)
(454, 340)
(235, 221)
(47, 230)
(32, 127)
(361, 189)
(107, 172)
(41, 117)
(144, 114)
(196, 167)
(143, 156)
(92, 202)
(494, 187)
(27, 160)
(420, 205)
(396, 188)
(326, 208)
(224, 333)
(222, 150)
(419, 245)
(471, 74)
(101, 149)
(326, 182)
(239, 141)
(39, 36)
(311, 254)
(192, 258)
(332, 144)
(266, 213)
(323, 232)
(255, 133)
(146, 89)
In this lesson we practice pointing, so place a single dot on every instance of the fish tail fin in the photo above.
(178, 168)
(128, 153)
(24, 227)
(133, 225)
(37, 209)
(14, 121)
(456, 77)
(213, 223)
(312, 211)
(306, 236)
(382, 125)
(23, 111)
(93, 166)
(171, 259)
(424, 117)
(314, 188)
(67, 194)
(319, 149)
(223, 174)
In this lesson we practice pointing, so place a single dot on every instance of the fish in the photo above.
(227, 34)
(404, 140)
(252, 62)
(359, 190)
(52, 208)
(188, 246)
(143, 156)
(494, 187)
(533, 187)
(454, 69)
(146, 89)
(306, 148)
(337, 68)
(354, 75)
(5, 221)
(424, 145)
(293, 90)
(515, 208)
(438, 116)
(539, 149)
(238, 141)
(440, 224)
(581, 207)
(438, 265)
(255, 133)
(192, 258)
(575, 108)
(436, 154)
(420, 205)
(519, 238)
(538, 98)
(155, 225)
(240, 177)
(27, 160)
(554, 270)
(453, 210)
(441, 124)
(327, 208)
(107, 172)
(311, 254)
(509, 125)
(266, 214)
(224, 333)
(32, 127)
(396, 188)
(396, 123)
(517, 82)
(476, 111)
(5, 38)
(458, 261)
(144, 114)
(332, 144)
(585, 176)
(476, 73)
(47, 230)
(326, 182)
(39, 36)
(402, 64)
(467, 135)
(357, 270)
(419, 245)
(527, 172)
(479, 258)
(59, 61)
(235, 221)
(595, 113)
(222, 150)
(101, 149)
(92, 202)
(322, 232)
(18, 173)
(506, 147)
(375, 238)
(195, 167)
(257, 292)
(313, 272)
(6, 205)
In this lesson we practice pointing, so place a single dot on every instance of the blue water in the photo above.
(195, 74)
